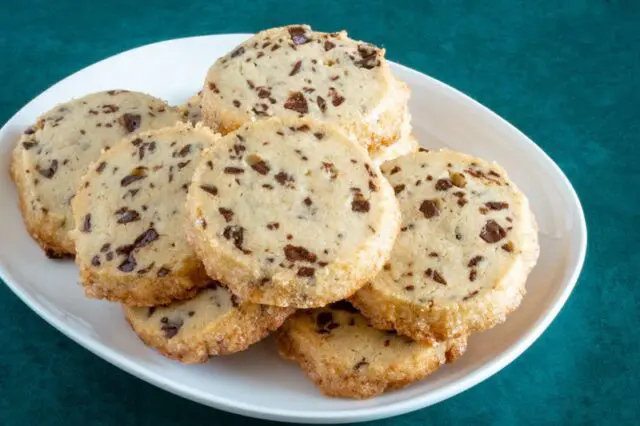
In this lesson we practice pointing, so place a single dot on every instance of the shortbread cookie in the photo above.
(52, 155)
(294, 72)
(346, 357)
(467, 243)
(291, 212)
(214, 322)
(130, 218)
(192, 109)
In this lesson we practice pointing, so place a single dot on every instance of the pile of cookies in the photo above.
(289, 196)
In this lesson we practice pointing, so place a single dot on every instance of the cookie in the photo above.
(297, 72)
(466, 246)
(52, 155)
(346, 357)
(291, 212)
(130, 217)
(403, 146)
(192, 109)
(214, 322)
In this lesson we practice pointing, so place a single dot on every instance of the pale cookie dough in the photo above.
(297, 72)
(192, 109)
(214, 322)
(291, 213)
(466, 246)
(346, 357)
(130, 218)
(52, 155)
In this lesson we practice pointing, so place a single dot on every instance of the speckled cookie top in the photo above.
(57, 150)
(129, 210)
(464, 226)
(292, 200)
(295, 71)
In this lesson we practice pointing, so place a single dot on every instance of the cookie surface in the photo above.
(130, 218)
(291, 213)
(192, 109)
(214, 322)
(52, 155)
(346, 357)
(466, 246)
(294, 71)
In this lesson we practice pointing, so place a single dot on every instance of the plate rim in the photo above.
(341, 416)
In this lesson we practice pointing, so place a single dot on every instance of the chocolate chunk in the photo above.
(128, 264)
(146, 238)
(474, 261)
(136, 174)
(322, 104)
(95, 261)
(435, 275)
(398, 188)
(496, 205)
(109, 256)
(472, 275)
(239, 51)
(298, 35)
(284, 179)
(233, 170)
(101, 167)
(307, 201)
(360, 364)
(443, 184)
(306, 272)
(236, 103)
(162, 272)
(150, 311)
(470, 295)
(297, 102)
(184, 151)
(226, 213)
(130, 122)
(251, 84)
(28, 145)
(213, 87)
(260, 167)
(318, 135)
(395, 170)
(236, 234)
(491, 232)
(51, 171)
(328, 45)
(330, 169)
(263, 92)
(210, 189)
(86, 223)
(105, 248)
(273, 226)
(29, 131)
(336, 98)
(429, 208)
(296, 68)
(126, 216)
(107, 109)
(170, 328)
(183, 164)
(410, 287)
(299, 254)
(368, 55)
(360, 205)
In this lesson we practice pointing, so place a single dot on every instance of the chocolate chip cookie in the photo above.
(466, 246)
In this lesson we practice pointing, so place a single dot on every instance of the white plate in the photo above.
(257, 382)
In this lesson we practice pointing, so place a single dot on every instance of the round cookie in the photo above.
(290, 212)
(466, 246)
(52, 155)
(346, 357)
(130, 216)
(214, 322)
(294, 71)
(192, 109)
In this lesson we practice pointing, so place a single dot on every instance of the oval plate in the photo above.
(257, 382)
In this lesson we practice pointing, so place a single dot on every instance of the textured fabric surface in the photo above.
(567, 73)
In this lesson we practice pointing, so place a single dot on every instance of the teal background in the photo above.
(567, 73)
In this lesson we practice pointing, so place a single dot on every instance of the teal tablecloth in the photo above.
(566, 72)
